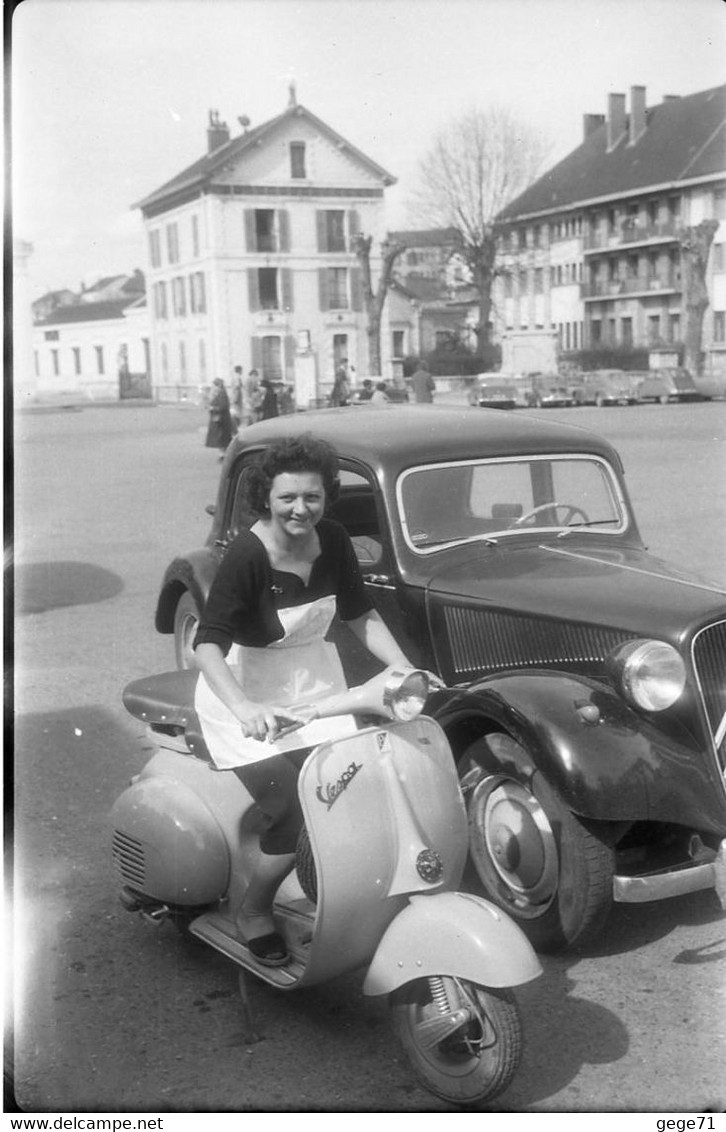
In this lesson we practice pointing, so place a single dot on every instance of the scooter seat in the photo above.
(165, 702)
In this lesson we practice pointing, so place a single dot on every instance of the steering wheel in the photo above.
(571, 510)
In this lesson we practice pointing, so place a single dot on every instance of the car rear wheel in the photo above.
(186, 622)
(528, 852)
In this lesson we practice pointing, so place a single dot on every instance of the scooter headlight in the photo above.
(651, 674)
(405, 694)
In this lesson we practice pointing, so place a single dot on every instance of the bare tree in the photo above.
(476, 165)
(374, 300)
(695, 247)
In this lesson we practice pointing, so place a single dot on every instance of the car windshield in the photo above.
(450, 503)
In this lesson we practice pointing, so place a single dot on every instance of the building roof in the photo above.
(89, 312)
(200, 174)
(426, 237)
(684, 139)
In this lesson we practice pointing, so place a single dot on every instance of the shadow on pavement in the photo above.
(42, 586)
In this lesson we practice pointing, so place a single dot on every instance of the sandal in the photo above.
(270, 949)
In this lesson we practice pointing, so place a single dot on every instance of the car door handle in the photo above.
(378, 579)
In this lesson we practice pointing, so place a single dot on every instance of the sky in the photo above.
(110, 98)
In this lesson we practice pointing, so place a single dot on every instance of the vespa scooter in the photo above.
(378, 864)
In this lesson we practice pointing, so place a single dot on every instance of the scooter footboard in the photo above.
(451, 933)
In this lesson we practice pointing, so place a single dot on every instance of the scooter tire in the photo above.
(475, 1063)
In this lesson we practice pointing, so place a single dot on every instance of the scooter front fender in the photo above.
(456, 934)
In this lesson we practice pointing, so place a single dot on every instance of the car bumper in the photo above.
(677, 882)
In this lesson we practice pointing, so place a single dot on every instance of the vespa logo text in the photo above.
(331, 792)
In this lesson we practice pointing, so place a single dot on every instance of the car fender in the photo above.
(193, 572)
(605, 760)
(455, 934)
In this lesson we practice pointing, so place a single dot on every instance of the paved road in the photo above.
(114, 1015)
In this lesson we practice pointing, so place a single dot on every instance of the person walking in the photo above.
(423, 385)
(252, 398)
(270, 407)
(340, 394)
(237, 399)
(219, 431)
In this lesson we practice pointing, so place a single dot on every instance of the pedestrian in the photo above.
(219, 432)
(380, 394)
(367, 391)
(269, 407)
(423, 385)
(252, 398)
(341, 387)
(237, 399)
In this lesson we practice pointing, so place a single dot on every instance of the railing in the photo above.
(632, 233)
(639, 284)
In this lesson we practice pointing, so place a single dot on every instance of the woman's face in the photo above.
(297, 502)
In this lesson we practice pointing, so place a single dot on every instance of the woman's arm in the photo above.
(257, 720)
(372, 631)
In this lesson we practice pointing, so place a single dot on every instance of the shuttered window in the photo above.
(337, 229)
(297, 160)
(267, 230)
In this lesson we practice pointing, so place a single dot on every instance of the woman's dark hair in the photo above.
(304, 453)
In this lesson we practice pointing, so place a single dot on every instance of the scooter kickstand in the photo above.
(251, 1035)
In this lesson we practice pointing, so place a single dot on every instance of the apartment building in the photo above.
(252, 256)
(594, 248)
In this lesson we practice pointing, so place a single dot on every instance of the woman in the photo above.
(340, 394)
(219, 432)
(275, 595)
(269, 407)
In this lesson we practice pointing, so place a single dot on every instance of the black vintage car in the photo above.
(586, 698)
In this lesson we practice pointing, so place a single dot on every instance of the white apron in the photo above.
(300, 668)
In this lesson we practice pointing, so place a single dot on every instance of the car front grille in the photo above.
(486, 642)
(709, 662)
(128, 859)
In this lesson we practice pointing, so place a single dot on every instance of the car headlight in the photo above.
(650, 674)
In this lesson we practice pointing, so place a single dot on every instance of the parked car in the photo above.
(666, 385)
(586, 698)
(605, 387)
(488, 393)
(553, 397)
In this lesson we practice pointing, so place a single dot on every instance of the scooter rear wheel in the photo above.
(471, 1063)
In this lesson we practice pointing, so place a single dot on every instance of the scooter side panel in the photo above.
(372, 802)
(456, 934)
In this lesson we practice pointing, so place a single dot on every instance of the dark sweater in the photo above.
(247, 592)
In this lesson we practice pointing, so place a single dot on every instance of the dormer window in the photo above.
(297, 160)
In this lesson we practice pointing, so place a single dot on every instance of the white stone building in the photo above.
(251, 257)
(592, 249)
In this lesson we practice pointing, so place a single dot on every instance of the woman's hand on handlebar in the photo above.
(266, 721)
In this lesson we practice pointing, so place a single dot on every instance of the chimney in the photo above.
(637, 114)
(617, 121)
(217, 132)
(590, 123)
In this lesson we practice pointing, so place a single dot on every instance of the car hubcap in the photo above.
(512, 844)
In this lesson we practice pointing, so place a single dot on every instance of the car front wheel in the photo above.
(186, 622)
(529, 853)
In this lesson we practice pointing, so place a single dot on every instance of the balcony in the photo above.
(628, 234)
(639, 285)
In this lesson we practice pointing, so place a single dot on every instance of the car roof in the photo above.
(394, 437)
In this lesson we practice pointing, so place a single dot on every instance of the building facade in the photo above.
(97, 350)
(252, 257)
(594, 249)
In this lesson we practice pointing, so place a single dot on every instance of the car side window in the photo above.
(355, 508)
(240, 516)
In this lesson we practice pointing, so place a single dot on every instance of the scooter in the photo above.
(378, 864)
